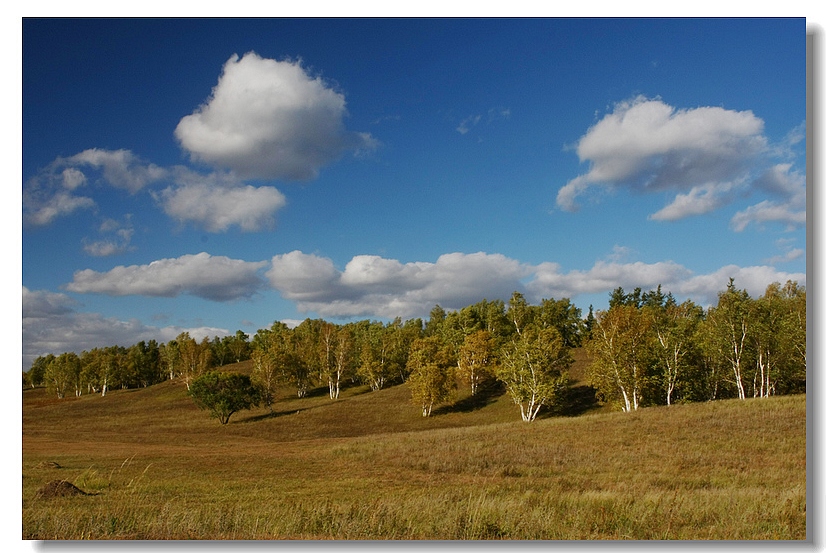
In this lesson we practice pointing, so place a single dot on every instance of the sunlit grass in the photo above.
(368, 466)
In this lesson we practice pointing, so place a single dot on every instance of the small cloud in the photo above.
(55, 191)
(113, 245)
(781, 182)
(120, 168)
(216, 208)
(619, 253)
(468, 122)
(791, 255)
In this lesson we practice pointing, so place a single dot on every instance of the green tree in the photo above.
(792, 377)
(378, 357)
(437, 319)
(520, 314)
(431, 378)
(477, 359)
(564, 316)
(675, 326)
(621, 348)
(170, 357)
(534, 369)
(37, 372)
(779, 340)
(220, 350)
(63, 374)
(344, 359)
(238, 346)
(223, 394)
(195, 358)
(729, 331)
(272, 354)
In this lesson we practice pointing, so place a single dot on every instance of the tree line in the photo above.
(645, 349)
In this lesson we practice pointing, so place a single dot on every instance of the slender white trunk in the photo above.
(627, 406)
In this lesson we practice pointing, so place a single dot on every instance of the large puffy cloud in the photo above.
(707, 156)
(269, 119)
(216, 278)
(51, 325)
(387, 288)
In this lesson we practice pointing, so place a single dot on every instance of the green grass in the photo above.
(368, 466)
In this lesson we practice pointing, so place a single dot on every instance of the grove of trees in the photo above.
(645, 349)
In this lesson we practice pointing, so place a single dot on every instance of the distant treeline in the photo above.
(645, 349)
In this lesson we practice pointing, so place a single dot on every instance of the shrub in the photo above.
(224, 393)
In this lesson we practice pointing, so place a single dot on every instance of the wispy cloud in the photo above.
(789, 187)
(492, 115)
(468, 122)
(117, 238)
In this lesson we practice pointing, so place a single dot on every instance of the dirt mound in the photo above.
(58, 488)
(48, 465)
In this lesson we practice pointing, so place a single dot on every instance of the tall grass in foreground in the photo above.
(725, 470)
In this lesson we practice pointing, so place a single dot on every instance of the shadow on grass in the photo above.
(578, 400)
(274, 415)
(486, 395)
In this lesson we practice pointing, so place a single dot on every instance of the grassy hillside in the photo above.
(369, 466)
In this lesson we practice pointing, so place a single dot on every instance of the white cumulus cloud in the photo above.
(216, 208)
(216, 278)
(705, 156)
(269, 119)
(373, 286)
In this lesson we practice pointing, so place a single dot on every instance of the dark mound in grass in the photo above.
(58, 488)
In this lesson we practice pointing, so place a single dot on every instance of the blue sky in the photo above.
(215, 175)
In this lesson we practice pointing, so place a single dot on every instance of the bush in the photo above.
(224, 394)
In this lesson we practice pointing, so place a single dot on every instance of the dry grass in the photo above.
(368, 466)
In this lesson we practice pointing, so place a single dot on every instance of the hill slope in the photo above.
(369, 466)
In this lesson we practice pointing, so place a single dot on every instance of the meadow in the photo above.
(369, 466)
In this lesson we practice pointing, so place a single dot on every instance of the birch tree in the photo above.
(534, 369)
(675, 326)
(195, 358)
(378, 356)
(344, 360)
(63, 374)
(729, 331)
(431, 378)
(477, 359)
(271, 354)
(620, 345)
